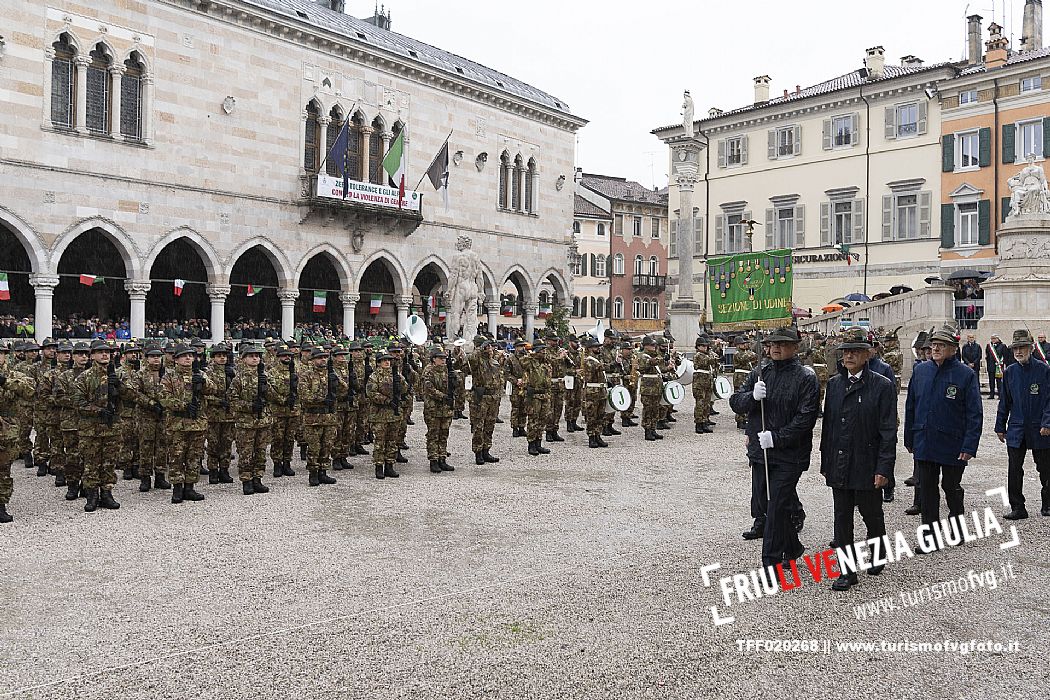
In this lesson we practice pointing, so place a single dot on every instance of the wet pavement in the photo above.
(573, 575)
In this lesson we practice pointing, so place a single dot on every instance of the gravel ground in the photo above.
(574, 575)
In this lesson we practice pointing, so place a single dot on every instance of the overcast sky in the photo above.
(623, 65)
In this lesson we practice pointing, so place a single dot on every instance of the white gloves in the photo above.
(759, 391)
(765, 438)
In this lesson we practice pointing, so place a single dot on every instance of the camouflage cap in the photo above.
(947, 333)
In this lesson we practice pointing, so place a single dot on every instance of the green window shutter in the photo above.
(947, 153)
(1046, 136)
(984, 221)
(1009, 130)
(1005, 208)
(769, 228)
(947, 226)
(984, 148)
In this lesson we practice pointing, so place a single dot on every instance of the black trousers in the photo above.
(950, 478)
(1015, 475)
(995, 385)
(869, 503)
(779, 537)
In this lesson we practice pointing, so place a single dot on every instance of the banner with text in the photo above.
(366, 193)
(750, 290)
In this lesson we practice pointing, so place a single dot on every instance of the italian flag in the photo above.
(508, 310)
(395, 166)
(544, 311)
(320, 302)
(442, 314)
(88, 280)
(179, 284)
(5, 288)
(844, 249)
(252, 291)
(375, 304)
(432, 302)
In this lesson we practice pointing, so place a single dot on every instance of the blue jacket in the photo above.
(943, 415)
(877, 366)
(1024, 405)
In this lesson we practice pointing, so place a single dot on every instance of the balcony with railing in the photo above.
(649, 282)
(362, 203)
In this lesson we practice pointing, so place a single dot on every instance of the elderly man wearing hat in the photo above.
(858, 444)
(1023, 423)
(943, 418)
(780, 402)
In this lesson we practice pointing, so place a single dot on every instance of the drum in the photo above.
(685, 371)
(619, 399)
(723, 387)
(468, 383)
(510, 388)
(570, 382)
(674, 393)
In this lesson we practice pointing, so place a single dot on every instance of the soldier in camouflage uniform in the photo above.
(183, 393)
(556, 359)
(891, 353)
(487, 378)
(383, 391)
(128, 457)
(72, 465)
(362, 369)
(595, 386)
(51, 417)
(744, 361)
(250, 400)
(14, 388)
(651, 367)
(285, 417)
(25, 363)
(459, 367)
(514, 371)
(705, 369)
(43, 409)
(406, 361)
(305, 350)
(319, 389)
(574, 396)
(439, 402)
(149, 421)
(345, 410)
(221, 418)
(96, 395)
(629, 367)
(537, 386)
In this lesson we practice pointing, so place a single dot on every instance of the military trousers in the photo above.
(284, 428)
(702, 401)
(129, 442)
(518, 414)
(594, 411)
(483, 411)
(438, 426)
(185, 450)
(220, 444)
(345, 432)
(538, 411)
(573, 402)
(319, 437)
(72, 465)
(651, 411)
(251, 451)
(8, 454)
(557, 404)
(152, 456)
(384, 442)
(99, 453)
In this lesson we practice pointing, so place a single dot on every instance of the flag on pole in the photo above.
(375, 304)
(5, 288)
(395, 166)
(320, 302)
(340, 154)
(88, 280)
(252, 291)
(432, 302)
(442, 314)
(844, 249)
(438, 172)
(508, 311)
(179, 284)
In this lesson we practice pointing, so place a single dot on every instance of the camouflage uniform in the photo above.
(26, 365)
(14, 387)
(185, 425)
(629, 365)
(595, 386)
(345, 444)
(49, 447)
(285, 418)
(362, 371)
(72, 465)
(221, 420)
(128, 457)
(537, 385)
(484, 401)
(96, 397)
(574, 396)
(459, 368)
(650, 367)
(383, 391)
(408, 376)
(513, 371)
(439, 401)
(149, 425)
(250, 400)
(820, 367)
(42, 410)
(705, 369)
(743, 362)
(556, 362)
(319, 388)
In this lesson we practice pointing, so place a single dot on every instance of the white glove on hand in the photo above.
(765, 438)
(759, 391)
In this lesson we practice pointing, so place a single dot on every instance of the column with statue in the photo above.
(684, 311)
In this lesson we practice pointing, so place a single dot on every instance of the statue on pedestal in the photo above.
(1028, 191)
(466, 289)
(687, 114)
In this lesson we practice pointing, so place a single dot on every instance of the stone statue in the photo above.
(687, 114)
(466, 288)
(1028, 191)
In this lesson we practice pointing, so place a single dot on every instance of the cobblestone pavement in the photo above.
(573, 575)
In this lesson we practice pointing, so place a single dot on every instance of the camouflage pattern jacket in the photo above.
(380, 393)
(176, 396)
(438, 393)
(93, 401)
(16, 387)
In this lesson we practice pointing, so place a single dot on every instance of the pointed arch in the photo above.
(35, 250)
(557, 280)
(199, 243)
(137, 54)
(74, 40)
(277, 258)
(390, 261)
(529, 292)
(339, 262)
(113, 231)
(438, 263)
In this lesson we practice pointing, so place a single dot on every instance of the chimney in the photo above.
(714, 112)
(875, 62)
(910, 60)
(995, 54)
(380, 18)
(761, 89)
(336, 5)
(1032, 26)
(973, 39)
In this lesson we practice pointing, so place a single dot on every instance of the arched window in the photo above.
(601, 230)
(63, 83)
(650, 309)
(599, 266)
(516, 183)
(504, 180)
(617, 263)
(636, 308)
(618, 308)
(576, 227)
(639, 265)
(654, 265)
(576, 307)
(599, 307)
(375, 151)
(576, 266)
(530, 183)
(333, 166)
(312, 144)
(131, 106)
(99, 97)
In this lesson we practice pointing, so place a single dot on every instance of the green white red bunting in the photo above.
(5, 288)
(252, 291)
(375, 304)
(179, 284)
(88, 280)
(320, 302)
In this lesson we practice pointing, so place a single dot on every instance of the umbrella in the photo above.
(968, 275)
(933, 279)
(799, 312)
(857, 296)
(900, 289)
(881, 295)
(831, 308)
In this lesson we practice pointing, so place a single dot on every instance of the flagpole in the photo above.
(432, 160)
(320, 168)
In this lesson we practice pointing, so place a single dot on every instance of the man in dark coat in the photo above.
(858, 444)
(971, 354)
(997, 357)
(942, 424)
(780, 400)
(1041, 349)
(1023, 422)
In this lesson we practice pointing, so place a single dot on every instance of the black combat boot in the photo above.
(287, 470)
(379, 472)
(613, 430)
(699, 428)
(555, 437)
(5, 517)
(547, 436)
(445, 466)
(213, 476)
(757, 530)
(107, 501)
(369, 438)
(92, 500)
(657, 435)
(188, 494)
(388, 470)
(60, 479)
(302, 452)
(28, 459)
(409, 421)
(278, 469)
(487, 456)
(568, 427)
(592, 441)
(359, 450)
(145, 484)
(129, 474)
(247, 488)
(714, 412)
(337, 464)
(400, 458)
(459, 416)
(478, 459)
(323, 477)
(435, 466)
(315, 479)
(403, 446)
(518, 432)
(541, 449)
(258, 486)
(601, 443)
(671, 419)
(663, 425)
(160, 482)
(627, 423)
(176, 493)
(72, 490)
(533, 450)
(224, 476)
(650, 434)
(41, 468)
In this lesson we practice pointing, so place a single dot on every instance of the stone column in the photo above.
(684, 311)
(530, 310)
(1018, 294)
(81, 64)
(115, 74)
(492, 312)
(218, 293)
(366, 158)
(349, 300)
(49, 56)
(137, 290)
(402, 312)
(323, 147)
(43, 313)
(146, 100)
(287, 297)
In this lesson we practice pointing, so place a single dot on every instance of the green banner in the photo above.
(751, 290)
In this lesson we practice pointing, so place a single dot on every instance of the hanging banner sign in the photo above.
(750, 290)
(330, 187)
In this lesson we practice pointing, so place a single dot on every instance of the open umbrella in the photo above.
(900, 289)
(881, 295)
(831, 308)
(857, 296)
(933, 279)
(968, 275)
